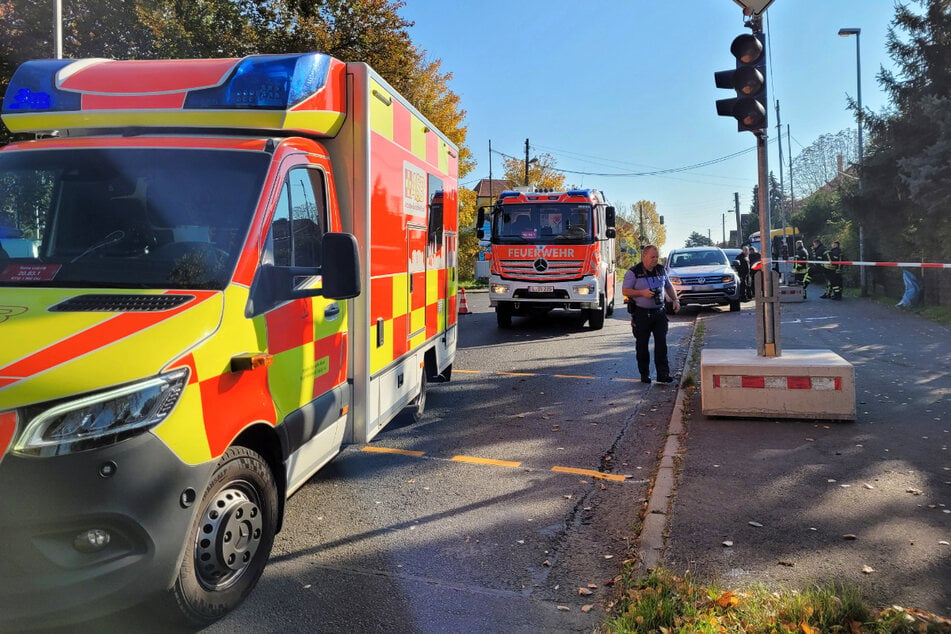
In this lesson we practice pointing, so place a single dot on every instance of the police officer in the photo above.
(801, 268)
(645, 285)
(834, 272)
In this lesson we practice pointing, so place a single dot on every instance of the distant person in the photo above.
(801, 267)
(755, 259)
(743, 270)
(834, 272)
(817, 271)
(645, 285)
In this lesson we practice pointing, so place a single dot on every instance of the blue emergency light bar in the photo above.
(268, 82)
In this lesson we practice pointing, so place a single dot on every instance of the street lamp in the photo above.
(846, 32)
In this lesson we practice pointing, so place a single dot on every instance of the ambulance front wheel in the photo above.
(596, 316)
(229, 541)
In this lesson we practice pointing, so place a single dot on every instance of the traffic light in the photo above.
(749, 82)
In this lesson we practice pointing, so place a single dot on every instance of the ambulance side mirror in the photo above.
(341, 266)
(609, 217)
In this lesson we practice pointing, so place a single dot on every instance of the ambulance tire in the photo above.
(237, 520)
(418, 406)
(610, 310)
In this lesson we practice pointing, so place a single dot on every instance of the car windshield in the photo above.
(710, 257)
(126, 217)
(554, 223)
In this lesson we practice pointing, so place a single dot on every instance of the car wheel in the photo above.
(229, 541)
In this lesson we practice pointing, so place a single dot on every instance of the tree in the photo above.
(906, 174)
(819, 164)
(628, 227)
(542, 172)
(370, 31)
(697, 240)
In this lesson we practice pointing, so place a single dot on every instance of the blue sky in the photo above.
(623, 86)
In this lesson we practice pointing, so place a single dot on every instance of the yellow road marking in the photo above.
(591, 473)
(468, 371)
(404, 452)
(517, 373)
(489, 461)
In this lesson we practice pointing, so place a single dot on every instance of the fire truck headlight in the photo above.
(95, 420)
(500, 289)
(584, 289)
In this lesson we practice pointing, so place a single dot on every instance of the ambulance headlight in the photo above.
(500, 289)
(95, 420)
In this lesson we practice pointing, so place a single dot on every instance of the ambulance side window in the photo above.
(299, 219)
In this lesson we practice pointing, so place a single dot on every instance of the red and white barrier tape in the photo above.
(912, 265)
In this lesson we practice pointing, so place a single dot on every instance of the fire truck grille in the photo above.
(552, 271)
(121, 303)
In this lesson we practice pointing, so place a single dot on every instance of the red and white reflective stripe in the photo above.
(821, 383)
(912, 265)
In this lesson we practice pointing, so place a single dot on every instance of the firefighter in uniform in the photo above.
(834, 272)
(801, 267)
(645, 286)
(817, 271)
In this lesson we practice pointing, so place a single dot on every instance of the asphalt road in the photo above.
(864, 503)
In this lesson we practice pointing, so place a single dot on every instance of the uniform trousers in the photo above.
(647, 322)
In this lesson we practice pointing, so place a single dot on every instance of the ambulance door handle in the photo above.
(332, 310)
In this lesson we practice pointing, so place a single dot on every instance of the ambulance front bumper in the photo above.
(577, 294)
(137, 492)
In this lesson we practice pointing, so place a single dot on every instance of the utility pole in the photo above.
(640, 211)
(723, 220)
(526, 162)
(739, 225)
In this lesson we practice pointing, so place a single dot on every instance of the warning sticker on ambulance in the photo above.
(29, 272)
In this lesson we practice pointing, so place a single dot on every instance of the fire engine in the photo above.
(551, 250)
(241, 265)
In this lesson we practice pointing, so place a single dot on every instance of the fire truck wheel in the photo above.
(596, 316)
(503, 315)
(229, 541)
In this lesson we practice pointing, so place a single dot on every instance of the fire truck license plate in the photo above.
(541, 289)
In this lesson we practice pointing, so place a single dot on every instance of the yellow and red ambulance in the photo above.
(241, 265)
(551, 250)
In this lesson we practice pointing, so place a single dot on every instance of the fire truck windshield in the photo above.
(543, 223)
(127, 217)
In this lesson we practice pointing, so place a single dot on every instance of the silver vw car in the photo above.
(703, 276)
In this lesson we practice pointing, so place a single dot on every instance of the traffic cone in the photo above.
(463, 306)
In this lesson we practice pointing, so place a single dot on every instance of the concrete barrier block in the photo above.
(791, 294)
(805, 384)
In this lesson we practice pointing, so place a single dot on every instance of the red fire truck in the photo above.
(242, 265)
(551, 250)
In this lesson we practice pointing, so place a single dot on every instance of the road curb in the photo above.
(653, 536)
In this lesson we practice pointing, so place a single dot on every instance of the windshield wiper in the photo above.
(116, 236)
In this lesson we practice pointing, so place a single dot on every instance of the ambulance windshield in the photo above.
(550, 223)
(154, 218)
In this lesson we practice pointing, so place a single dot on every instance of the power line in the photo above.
(672, 170)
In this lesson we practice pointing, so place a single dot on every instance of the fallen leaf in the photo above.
(609, 556)
(849, 536)
(868, 570)
(727, 543)
(546, 563)
(592, 585)
(584, 591)
(756, 524)
(587, 608)
(806, 629)
(564, 608)
(914, 491)
(727, 600)
(867, 485)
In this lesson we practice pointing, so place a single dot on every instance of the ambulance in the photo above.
(242, 266)
(551, 250)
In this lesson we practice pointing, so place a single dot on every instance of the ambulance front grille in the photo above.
(121, 303)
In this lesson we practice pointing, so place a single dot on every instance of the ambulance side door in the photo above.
(307, 338)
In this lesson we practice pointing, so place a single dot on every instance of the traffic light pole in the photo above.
(766, 310)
